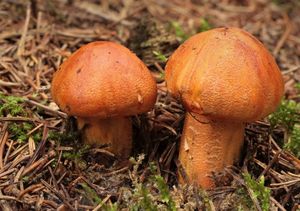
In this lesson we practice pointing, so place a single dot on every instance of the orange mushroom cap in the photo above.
(103, 79)
(225, 73)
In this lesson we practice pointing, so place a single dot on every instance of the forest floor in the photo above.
(45, 166)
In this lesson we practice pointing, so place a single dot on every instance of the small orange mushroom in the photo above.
(102, 84)
(224, 77)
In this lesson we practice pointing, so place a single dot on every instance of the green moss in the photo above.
(297, 86)
(110, 207)
(11, 105)
(243, 199)
(153, 194)
(293, 144)
(164, 191)
(204, 25)
(260, 192)
(287, 115)
(161, 57)
(90, 194)
(25, 179)
(37, 136)
(182, 35)
(179, 32)
(18, 131)
(77, 154)
(63, 137)
(143, 198)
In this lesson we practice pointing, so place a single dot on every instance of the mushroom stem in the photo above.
(115, 133)
(208, 146)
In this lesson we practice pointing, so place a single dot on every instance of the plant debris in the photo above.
(43, 164)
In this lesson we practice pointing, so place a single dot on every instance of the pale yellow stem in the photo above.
(208, 146)
(115, 133)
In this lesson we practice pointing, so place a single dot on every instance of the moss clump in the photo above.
(11, 105)
(204, 25)
(293, 144)
(241, 199)
(287, 116)
(19, 132)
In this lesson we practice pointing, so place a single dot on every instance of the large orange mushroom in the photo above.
(103, 84)
(224, 77)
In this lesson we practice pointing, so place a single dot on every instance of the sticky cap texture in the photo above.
(103, 79)
(225, 73)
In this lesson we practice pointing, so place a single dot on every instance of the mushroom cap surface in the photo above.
(225, 73)
(103, 79)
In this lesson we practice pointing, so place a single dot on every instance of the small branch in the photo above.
(284, 36)
(291, 70)
(21, 45)
(18, 119)
(58, 194)
(9, 84)
(3, 140)
(277, 204)
(46, 108)
(102, 203)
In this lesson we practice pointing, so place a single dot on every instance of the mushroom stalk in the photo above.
(208, 146)
(115, 133)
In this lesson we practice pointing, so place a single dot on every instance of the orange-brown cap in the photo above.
(225, 73)
(103, 79)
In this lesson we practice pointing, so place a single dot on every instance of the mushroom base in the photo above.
(115, 134)
(208, 146)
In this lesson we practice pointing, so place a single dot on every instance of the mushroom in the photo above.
(103, 84)
(224, 77)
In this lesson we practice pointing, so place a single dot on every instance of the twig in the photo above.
(9, 198)
(17, 160)
(249, 190)
(182, 172)
(275, 158)
(57, 113)
(277, 204)
(54, 181)
(18, 119)
(50, 203)
(20, 50)
(9, 84)
(287, 183)
(40, 162)
(30, 189)
(98, 11)
(58, 194)
(291, 70)
(284, 36)
(17, 151)
(41, 147)
(34, 129)
(62, 176)
(7, 172)
(2, 144)
(8, 151)
(4, 204)
(24, 33)
(116, 171)
(102, 203)
(18, 175)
